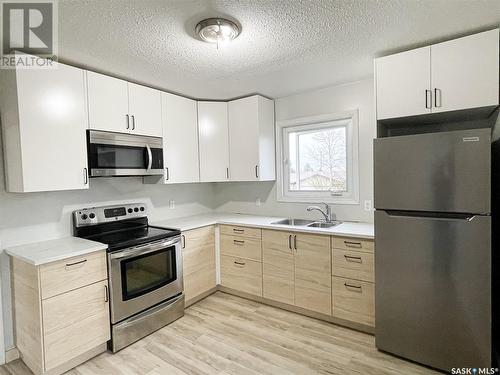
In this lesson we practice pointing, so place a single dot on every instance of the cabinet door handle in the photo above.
(106, 295)
(239, 242)
(295, 242)
(183, 241)
(256, 171)
(76, 263)
(239, 263)
(350, 258)
(227, 173)
(167, 177)
(290, 241)
(357, 245)
(428, 99)
(436, 92)
(128, 121)
(133, 122)
(85, 176)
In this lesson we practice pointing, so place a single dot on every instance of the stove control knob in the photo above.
(84, 217)
(142, 208)
(129, 210)
(92, 215)
(136, 209)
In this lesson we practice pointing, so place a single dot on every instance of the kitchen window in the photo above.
(318, 159)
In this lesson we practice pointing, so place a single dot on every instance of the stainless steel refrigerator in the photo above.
(433, 247)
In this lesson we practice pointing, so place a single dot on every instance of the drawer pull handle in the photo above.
(353, 259)
(183, 241)
(238, 230)
(239, 263)
(239, 242)
(106, 295)
(353, 244)
(356, 287)
(76, 263)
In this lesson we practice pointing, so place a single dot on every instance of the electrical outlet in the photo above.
(258, 202)
(171, 204)
(368, 205)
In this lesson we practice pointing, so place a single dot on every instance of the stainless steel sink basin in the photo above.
(294, 222)
(319, 224)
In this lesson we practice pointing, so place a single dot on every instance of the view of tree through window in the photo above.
(318, 159)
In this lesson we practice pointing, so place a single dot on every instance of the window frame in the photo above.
(283, 128)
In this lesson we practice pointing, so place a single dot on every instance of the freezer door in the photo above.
(433, 289)
(441, 172)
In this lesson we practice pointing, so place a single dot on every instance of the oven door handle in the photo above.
(150, 158)
(132, 252)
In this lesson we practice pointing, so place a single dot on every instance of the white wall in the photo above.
(241, 197)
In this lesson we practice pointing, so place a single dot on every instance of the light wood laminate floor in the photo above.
(224, 334)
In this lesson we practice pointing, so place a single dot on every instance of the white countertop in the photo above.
(349, 229)
(39, 253)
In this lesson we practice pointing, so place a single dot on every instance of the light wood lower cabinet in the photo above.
(353, 300)
(198, 255)
(60, 323)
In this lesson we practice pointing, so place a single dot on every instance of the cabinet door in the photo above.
(278, 266)
(213, 139)
(180, 127)
(198, 255)
(244, 138)
(313, 286)
(465, 72)
(108, 103)
(74, 323)
(401, 83)
(52, 121)
(145, 110)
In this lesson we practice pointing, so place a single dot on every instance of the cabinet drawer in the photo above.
(353, 300)
(72, 273)
(240, 231)
(74, 323)
(243, 247)
(355, 244)
(241, 274)
(353, 265)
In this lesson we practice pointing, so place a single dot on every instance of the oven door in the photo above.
(143, 276)
(115, 154)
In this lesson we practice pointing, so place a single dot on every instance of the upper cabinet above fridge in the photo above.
(119, 106)
(450, 76)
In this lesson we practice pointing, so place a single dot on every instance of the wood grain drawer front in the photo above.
(241, 231)
(74, 323)
(198, 261)
(241, 274)
(353, 264)
(354, 244)
(72, 273)
(353, 300)
(242, 247)
(312, 272)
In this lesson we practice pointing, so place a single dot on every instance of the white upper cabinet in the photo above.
(44, 119)
(403, 84)
(251, 139)
(449, 76)
(465, 72)
(213, 141)
(144, 110)
(180, 140)
(119, 106)
(108, 103)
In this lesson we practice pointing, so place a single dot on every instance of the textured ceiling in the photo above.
(286, 46)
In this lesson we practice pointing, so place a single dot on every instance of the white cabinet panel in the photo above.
(108, 103)
(144, 110)
(180, 139)
(45, 138)
(401, 83)
(213, 141)
(465, 72)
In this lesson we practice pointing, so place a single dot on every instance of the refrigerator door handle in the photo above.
(431, 215)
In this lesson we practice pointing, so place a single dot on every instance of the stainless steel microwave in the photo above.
(117, 154)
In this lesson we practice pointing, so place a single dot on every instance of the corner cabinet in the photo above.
(119, 106)
(251, 139)
(455, 75)
(44, 120)
(61, 311)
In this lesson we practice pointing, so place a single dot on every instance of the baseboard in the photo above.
(299, 310)
(201, 296)
(84, 357)
(11, 355)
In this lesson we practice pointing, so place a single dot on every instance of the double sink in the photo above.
(307, 223)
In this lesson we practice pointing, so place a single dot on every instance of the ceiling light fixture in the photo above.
(217, 30)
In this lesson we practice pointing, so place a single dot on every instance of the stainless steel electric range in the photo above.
(144, 269)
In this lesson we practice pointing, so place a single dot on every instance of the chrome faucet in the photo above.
(327, 213)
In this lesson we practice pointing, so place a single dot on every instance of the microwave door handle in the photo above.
(150, 157)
